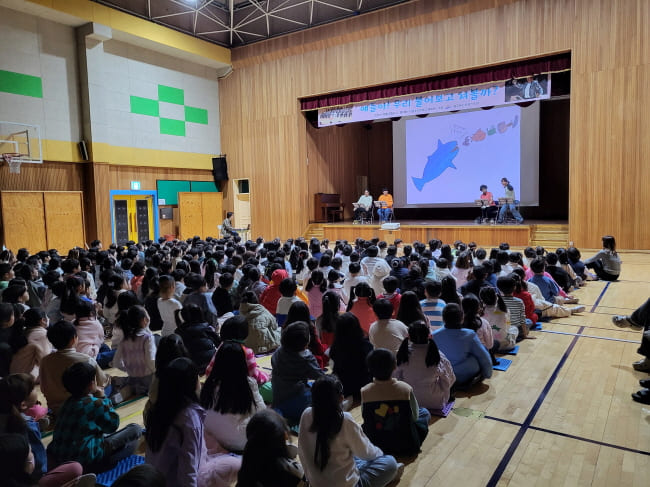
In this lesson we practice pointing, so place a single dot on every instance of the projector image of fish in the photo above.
(437, 163)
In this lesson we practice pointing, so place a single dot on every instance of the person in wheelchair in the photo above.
(363, 207)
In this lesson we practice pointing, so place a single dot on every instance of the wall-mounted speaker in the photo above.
(83, 150)
(219, 169)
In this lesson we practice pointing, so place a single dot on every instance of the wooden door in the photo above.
(133, 218)
(200, 214)
(64, 219)
(23, 220)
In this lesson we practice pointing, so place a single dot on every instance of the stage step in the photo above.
(550, 236)
(314, 230)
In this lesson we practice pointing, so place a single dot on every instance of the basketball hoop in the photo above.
(12, 158)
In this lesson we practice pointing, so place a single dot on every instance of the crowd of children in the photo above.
(402, 327)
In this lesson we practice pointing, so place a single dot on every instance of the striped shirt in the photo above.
(516, 309)
(432, 309)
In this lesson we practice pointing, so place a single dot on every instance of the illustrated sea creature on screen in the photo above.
(437, 163)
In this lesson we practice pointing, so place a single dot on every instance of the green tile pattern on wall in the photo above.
(21, 84)
(175, 96)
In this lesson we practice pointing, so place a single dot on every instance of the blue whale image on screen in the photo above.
(437, 163)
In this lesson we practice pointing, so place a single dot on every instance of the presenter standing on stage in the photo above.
(363, 206)
(510, 194)
(386, 205)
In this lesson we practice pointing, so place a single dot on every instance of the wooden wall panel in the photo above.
(49, 176)
(212, 214)
(64, 220)
(23, 220)
(267, 140)
(190, 208)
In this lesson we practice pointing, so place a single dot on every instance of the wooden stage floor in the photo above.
(449, 231)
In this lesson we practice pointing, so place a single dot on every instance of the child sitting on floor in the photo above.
(27, 359)
(86, 426)
(91, 334)
(268, 456)
(288, 290)
(136, 355)
(392, 294)
(496, 313)
(422, 366)
(293, 365)
(168, 305)
(432, 306)
(392, 418)
(63, 335)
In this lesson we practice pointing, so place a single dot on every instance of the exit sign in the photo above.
(135, 185)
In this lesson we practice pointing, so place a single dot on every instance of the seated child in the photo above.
(268, 459)
(63, 335)
(469, 358)
(263, 332)
(12, 338)
(333, 449)
(551, 291)
(299, 311)
(392, 419)
(27, 359)
(432, 306)
(496, 313)
(199, 338)
(167, 305)
(293, 365)
(18, 467)
(230, 397)
(392, 294)
(221, 296)
(386, 332)
(288, 291)
(515, 307)
(422, 366)
(17, 396)
(86, 426)
(91, 334)
(136, 355)
(235, 329)
(175, 437)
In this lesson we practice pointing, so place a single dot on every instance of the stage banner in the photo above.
(462, 98)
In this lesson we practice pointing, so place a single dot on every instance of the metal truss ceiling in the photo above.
(233, 23)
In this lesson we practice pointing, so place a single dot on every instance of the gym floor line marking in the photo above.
(503, 464)
(600, 297)
(568, 435)
(590, 336)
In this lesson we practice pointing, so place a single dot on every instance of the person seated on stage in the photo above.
(491, 209)
(363, 206)
(509, 194)
(226, 227)
(386, 205)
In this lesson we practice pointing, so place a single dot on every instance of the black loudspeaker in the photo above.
(219, 169)
(83, 150)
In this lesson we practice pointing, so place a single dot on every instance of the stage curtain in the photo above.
(549, 64)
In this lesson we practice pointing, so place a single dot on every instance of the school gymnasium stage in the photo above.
(549, 234)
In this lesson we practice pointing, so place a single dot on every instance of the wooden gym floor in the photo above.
(560, 415)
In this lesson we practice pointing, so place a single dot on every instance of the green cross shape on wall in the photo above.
(176, 96)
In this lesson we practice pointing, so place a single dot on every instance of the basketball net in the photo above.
(14, 165)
